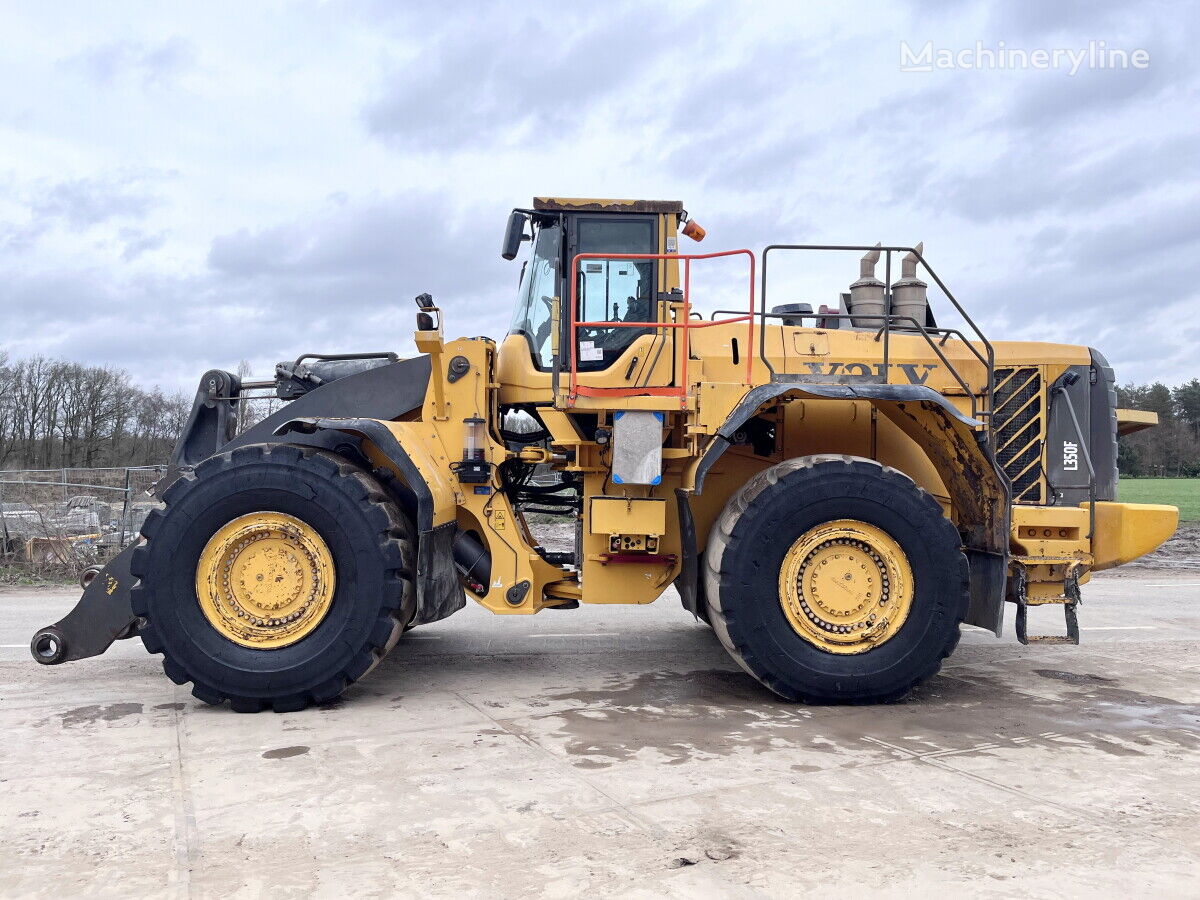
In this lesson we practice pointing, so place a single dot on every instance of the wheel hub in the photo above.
(846, 586)
(265, 580)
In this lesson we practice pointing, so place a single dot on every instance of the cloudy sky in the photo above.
(187, 185)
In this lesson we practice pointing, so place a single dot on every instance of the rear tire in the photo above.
(749, 548)
(373, 551)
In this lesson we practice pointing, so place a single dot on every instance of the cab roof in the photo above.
(587, 204)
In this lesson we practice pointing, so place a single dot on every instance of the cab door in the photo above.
(618, 291)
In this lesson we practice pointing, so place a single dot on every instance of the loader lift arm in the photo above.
(101, 616)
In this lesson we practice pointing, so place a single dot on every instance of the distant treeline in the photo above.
(57, 414)
(1173, 448)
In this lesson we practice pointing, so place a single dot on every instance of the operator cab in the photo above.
(608, 290)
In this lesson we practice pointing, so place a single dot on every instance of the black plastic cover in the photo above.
(1104, 426)
(1093, 395)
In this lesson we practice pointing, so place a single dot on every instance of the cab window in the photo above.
(613, 290)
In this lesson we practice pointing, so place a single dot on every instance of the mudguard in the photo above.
(385, 392)
(688, 580)
(439, 591)
(956, 448)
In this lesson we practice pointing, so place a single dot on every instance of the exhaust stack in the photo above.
(910, 295)
(866, 294)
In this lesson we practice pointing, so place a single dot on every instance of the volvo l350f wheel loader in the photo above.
(834, 491)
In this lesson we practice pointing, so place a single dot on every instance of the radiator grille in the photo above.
(1020, 423)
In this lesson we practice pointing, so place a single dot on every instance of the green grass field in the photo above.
(1181, 492)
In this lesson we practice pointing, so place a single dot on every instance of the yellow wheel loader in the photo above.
(834, 491)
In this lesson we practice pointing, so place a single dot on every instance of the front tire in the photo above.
(275, 577)
(836, 579)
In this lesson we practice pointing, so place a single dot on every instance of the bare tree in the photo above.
(56, 414)
(6, 407)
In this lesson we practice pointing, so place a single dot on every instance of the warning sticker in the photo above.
(589, 352)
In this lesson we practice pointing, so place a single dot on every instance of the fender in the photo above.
(950, 439)
(386, 392)
(409, 459)
(397, 447)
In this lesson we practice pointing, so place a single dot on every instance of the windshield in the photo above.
(539, 285)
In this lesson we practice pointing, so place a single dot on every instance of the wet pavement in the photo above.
(617, 751)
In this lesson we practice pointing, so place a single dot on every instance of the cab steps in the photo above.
(1046, 581)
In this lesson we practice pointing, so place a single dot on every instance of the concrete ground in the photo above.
(616, 751)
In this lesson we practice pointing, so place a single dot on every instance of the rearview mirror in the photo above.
(513, 235)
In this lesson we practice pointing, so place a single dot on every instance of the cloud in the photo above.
(138, 243)
(501, 74)
(1022, 179)
(1066, 100)
(150, 64)
(79, 205)
(340, 277)
(372, 248)
(1169, 233)
(85, 202)
(20, 238)
(1033, 20)
(737, 123)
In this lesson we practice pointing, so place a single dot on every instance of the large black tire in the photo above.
(747, 547)
(374, 553)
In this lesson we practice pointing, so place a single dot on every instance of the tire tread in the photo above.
(775, 480)
(395, 546)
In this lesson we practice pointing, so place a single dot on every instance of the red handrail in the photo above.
(687, 325)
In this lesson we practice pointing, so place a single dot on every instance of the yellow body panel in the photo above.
(1050, 531)
(1130, 421)
(628, 515)
(434, 442)
(1125, 531)
(806, 426)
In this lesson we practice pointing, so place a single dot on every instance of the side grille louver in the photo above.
(1019, 420)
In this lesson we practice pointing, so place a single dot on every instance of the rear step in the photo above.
(1068, 598)
(1071, 637)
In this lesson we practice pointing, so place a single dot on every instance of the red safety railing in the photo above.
(685, 327)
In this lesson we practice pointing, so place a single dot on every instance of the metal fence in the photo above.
(68, 519)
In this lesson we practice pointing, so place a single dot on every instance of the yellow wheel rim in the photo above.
(265, 580)
(846, 586)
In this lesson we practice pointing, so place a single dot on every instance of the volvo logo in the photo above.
(916, 373)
